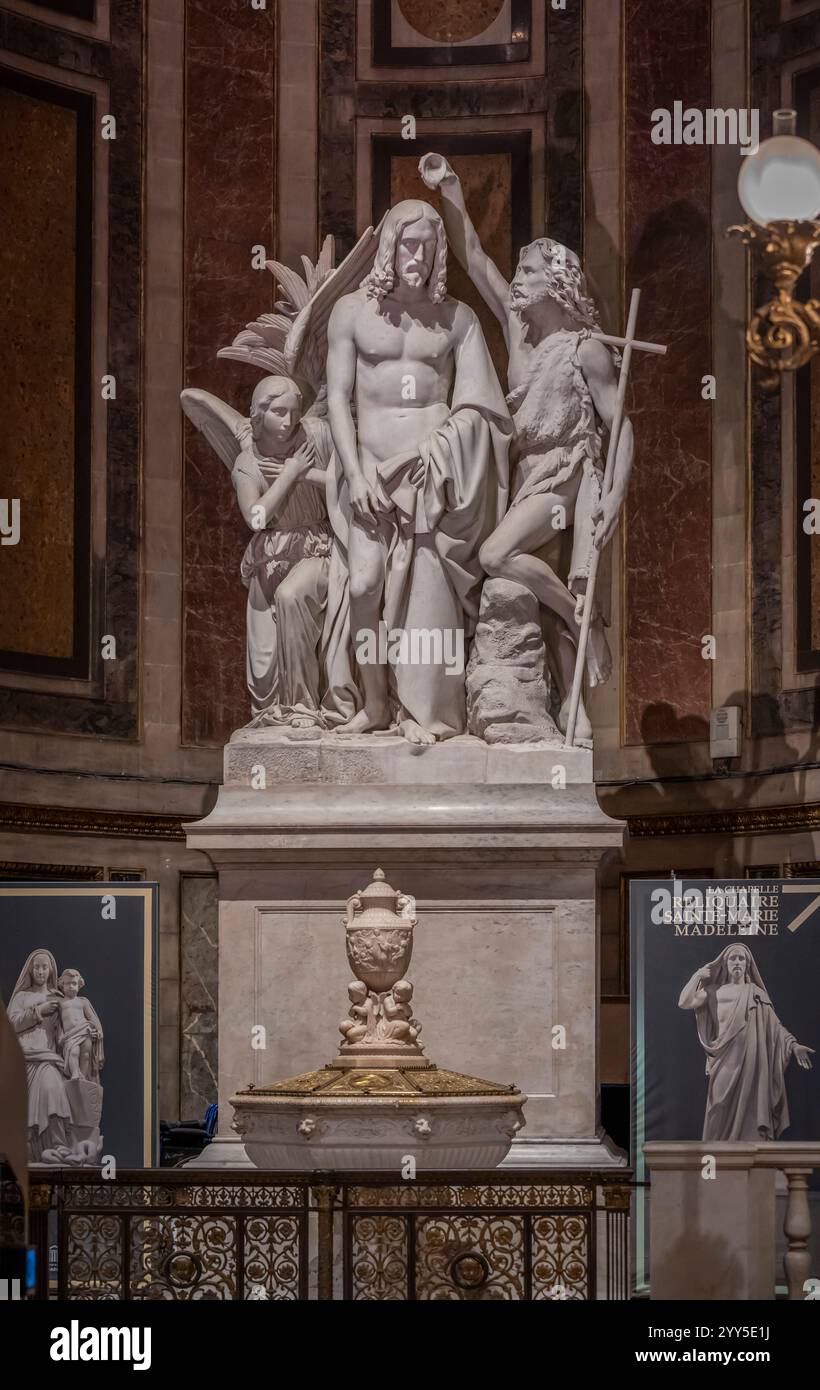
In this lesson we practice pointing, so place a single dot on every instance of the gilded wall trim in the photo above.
(23, 872)
(765, 820)
(67, 820)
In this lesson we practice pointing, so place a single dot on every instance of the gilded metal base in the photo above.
(407, 1080)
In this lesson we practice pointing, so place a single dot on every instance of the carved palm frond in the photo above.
(262, 343)
(281, 322)
(291, 282)
(306, 346)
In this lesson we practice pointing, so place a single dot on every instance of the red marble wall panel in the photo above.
(229, 199)
(668, 544)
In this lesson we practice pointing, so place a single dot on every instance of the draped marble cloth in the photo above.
(49, 1111)
(284, 569)
(433, 578)
(746, 1058)
(71, 1040)
(13, 1102)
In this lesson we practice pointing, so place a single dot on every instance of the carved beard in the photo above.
(528, 299)
(417, 278)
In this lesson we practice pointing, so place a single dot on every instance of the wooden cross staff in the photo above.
(628, 343)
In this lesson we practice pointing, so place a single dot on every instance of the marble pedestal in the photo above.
(503, 866)
(711, 1238)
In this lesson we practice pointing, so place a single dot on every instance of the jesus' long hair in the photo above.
(382, 278)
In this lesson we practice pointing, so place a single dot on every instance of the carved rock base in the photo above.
(507, 694)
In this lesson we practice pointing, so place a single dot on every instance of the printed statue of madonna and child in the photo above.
(62, 1039)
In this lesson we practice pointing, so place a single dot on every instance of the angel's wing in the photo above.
(305, 349)
(262, 343)
(220, 423)
(318, 408)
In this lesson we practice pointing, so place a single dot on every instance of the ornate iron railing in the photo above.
(198, 1234)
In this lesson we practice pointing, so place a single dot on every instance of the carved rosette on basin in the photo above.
(381, 1099)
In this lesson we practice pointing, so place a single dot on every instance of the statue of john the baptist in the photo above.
(563, 389)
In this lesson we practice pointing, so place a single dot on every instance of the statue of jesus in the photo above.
(422, 469)
(747, 1048)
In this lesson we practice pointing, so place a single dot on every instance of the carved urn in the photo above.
(379, 934)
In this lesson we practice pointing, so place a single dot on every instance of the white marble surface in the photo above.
(525, 925)
(502, 865)
(345, 760)
(318, 1132)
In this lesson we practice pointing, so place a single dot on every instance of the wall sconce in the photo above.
(779, 189)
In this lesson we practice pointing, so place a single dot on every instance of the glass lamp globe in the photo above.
(782, 179)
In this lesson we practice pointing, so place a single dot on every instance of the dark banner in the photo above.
(725, 1017)
(78, 980)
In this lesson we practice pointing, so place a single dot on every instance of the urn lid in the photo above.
(379, 893)
(379, 905)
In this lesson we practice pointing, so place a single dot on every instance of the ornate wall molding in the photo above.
(68, 820)
(22, 872)
(766, 820)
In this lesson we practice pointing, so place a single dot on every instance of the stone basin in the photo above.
(353, 1118)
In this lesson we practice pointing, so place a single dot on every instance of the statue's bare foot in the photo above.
(414, 733)
(303, 721)
(599, 657)
(369, 720)
(583, 728)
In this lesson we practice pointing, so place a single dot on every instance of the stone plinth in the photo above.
(710, 1238)
(502, 861)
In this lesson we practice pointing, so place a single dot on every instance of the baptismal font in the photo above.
(380, 1100)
